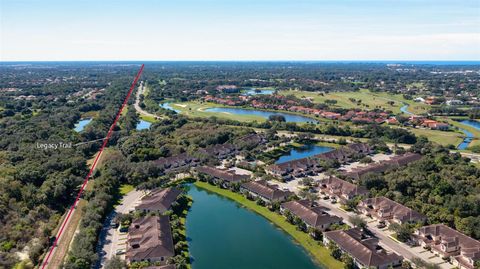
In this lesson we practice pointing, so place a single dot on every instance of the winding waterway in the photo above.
(221, 234)
(469, 136)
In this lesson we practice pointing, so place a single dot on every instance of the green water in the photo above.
(223, 235)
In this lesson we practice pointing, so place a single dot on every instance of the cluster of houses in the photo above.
(221, 177)
(341, 190)
(446, 242)
(150, 237)
(418, 120)
(355, 116)
(313, 216)
(394, 162)
(185, 161)
(311, 165)
(363, 248)
(265, 191)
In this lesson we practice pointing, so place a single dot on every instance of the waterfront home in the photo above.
(250, 141)
(341, 190)
(159, 200)
(150, 239)
(435, 125)
(311, 165)
(267, 192)
(395, 162)
(312, 216)
(446, 242)
(178, 162)
(364, 249)
(219, 151)
(295, 168)
(221, 177)
(382, 208)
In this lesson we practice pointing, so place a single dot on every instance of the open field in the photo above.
(369, 100)
(320, 253)
(440, 137)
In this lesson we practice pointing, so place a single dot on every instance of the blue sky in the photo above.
(240, 30)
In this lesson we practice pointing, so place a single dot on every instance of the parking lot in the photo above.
(112, 241)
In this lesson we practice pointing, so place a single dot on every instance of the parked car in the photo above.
(381, 224)
(120, 252)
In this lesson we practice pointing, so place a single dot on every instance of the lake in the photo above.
(469, 136)
(263, 114)
(303, 152)
(221, 234)
(252, 91)
(80, 125)
(169, 107)
(142, 125)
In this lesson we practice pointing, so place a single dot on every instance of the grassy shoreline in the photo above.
(320, 254)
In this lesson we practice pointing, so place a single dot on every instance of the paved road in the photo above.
(140, 91)
(110, 238)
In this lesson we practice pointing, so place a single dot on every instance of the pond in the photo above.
(221, 234)
(404, 109)
(80, 125)
(469, 136)
(169, 107)
(303, 152)
(254, 91)
(142, 125)
(264, 114)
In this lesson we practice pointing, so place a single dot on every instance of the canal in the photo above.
(222, 234)
(468, 135)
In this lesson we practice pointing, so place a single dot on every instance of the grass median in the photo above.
(320, 253)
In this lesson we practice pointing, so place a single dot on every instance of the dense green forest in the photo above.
(37, 185)
(441, 185)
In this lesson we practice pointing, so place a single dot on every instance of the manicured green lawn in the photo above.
(126, 188)
(147, 118)
(320, 253)
(440, 137)
(370, 100)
